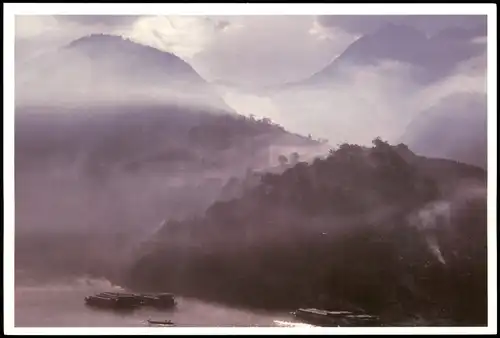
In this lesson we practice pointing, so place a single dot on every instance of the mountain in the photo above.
(104, 98)
(137, 129)
(432, 57)
(455, 128)
(373, 228)
(105, 69)
(103, 178)
(383, 81)
(158, 138)
(111, 137)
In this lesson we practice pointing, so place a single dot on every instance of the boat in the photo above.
(116, 294)
(121, 300)
(363, 320)
(161, 322)
(163, 300)
(118, 303)
(335, 318)
(101, 301)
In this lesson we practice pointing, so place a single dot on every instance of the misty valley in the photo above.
(135, 174)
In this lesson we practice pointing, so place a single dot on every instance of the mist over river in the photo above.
(61, 304)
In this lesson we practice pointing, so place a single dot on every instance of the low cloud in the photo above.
(469, 77)
(366, 101)
(99, 20)
(38, 34)
(363, 24)
(269, 50)
(363, 102)
(182, 35)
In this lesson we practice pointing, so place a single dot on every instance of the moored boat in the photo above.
(335, 318)
(121, 300)
(161, 322)
(164, 300)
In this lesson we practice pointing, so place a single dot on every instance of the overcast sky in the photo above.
(242, 49)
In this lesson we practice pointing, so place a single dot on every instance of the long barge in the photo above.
(335, 318)
(120, 300)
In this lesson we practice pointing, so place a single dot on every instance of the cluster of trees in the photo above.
(264, 120)
(134, 137)
(335, 234)
(236, 186)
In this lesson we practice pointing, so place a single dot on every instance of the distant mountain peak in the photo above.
(100, 38)
(390, 41)
(112, 68)
(103, 36)
(109, 39)
(433, 56)
(99, 43)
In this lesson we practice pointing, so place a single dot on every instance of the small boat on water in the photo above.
(161, 322)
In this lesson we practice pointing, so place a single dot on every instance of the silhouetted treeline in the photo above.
(378, 229)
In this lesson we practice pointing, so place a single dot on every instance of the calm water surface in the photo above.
(61, 304)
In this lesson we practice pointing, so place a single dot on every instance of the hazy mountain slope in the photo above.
(104, 69)
(431, 57)
(117, 136)
(455, 128)
(111, 137)
(385, 80)
(379, 229)
(107, 99)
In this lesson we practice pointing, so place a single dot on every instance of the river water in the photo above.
(61, 304)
